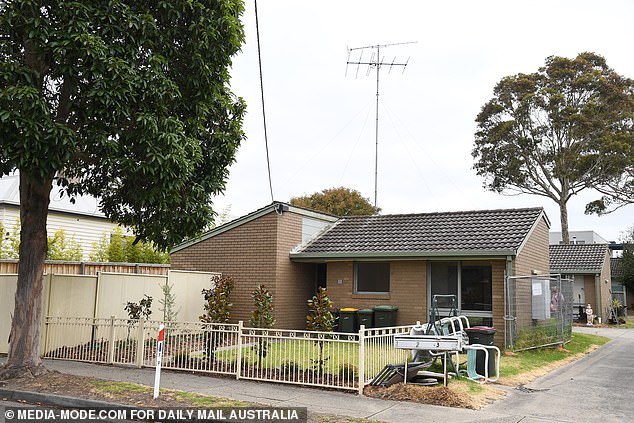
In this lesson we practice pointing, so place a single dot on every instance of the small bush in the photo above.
(348, 371)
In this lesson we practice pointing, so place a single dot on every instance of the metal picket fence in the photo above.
(346, 361)
(538, 311)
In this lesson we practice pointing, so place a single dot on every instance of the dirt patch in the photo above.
(450, 396)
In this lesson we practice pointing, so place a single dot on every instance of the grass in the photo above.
(629, 324)
(530, 360)
(113, 388)
(305, 355)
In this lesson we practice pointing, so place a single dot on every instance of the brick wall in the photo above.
(533, 256)
(606, 285)
(408, 289)
(256, 253)
(295, 282)
(247, 253)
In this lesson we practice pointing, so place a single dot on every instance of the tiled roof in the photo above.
(468, 232)
(577, 258)
(615, 267)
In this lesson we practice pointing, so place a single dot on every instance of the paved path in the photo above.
(595, 388)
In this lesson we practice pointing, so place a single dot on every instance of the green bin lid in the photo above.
(385, 308)
(366, 311)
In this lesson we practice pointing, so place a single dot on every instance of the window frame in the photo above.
(356, 277)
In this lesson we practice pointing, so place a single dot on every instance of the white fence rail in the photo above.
(346, 361)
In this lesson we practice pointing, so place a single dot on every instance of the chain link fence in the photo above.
(538, 311)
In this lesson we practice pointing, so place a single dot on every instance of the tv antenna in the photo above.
(376, 62)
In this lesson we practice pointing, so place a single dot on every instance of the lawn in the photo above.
(529, 361)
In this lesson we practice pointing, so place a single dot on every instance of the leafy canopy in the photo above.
(337, 201)
(127, 100)
(555, 132)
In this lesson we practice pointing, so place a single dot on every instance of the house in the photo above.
(589, 266)
(404, 260)
(254, 249)
(82, 220)
(619, 290)
(577, 237)
(398, 260)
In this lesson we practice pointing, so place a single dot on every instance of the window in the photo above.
(470, 283)
(444, 281)
(476, 287)
(372, 277)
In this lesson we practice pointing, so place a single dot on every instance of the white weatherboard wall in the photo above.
(106, 294)
(86, 230)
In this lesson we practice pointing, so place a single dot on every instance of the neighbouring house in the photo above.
(619, 290)
(577, 237)
(589, 266)
(399, 260)
(82, 221)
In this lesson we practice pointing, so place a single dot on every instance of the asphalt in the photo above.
(595, 388)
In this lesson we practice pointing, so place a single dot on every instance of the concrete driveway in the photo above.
(597, 388)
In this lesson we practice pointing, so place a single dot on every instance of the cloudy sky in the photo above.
(321, 121)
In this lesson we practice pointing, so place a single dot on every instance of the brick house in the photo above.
(366, 261)
(254, 250)
(404, 259)
(589, 266)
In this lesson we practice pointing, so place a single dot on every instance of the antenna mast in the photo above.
(376, 61)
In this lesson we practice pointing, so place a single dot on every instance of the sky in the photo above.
(321, 116)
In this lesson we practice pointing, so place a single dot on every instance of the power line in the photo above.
(266, 140)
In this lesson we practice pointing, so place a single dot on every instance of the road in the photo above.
(597, 388)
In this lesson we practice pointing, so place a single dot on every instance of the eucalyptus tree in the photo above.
(567, 127)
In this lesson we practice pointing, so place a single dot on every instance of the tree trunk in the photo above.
(563, 215)
(24, 340)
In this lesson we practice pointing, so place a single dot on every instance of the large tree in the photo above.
(126, 100)
(555, 132)
(338, 201)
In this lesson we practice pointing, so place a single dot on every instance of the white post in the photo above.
(139, 343)
(112, 341)
(239, 358)
(361, 358)
(159, 357)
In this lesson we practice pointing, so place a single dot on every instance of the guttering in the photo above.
(396, 255)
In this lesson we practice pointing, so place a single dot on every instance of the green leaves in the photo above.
(130, 99)
(319, 316)
(337, 201)
(557, 131)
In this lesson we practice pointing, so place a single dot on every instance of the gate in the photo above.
(537, 311)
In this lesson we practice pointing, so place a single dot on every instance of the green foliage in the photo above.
(337, 201)
(120, 248)
(60, 247)
(10, 242)
(627, 266)
(217, 300)
(142, 308)
(169, 303)
(263, 314)
(557, 131)
(107, 99)
(319, 317)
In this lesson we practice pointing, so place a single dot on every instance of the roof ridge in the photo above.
(444, 213)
